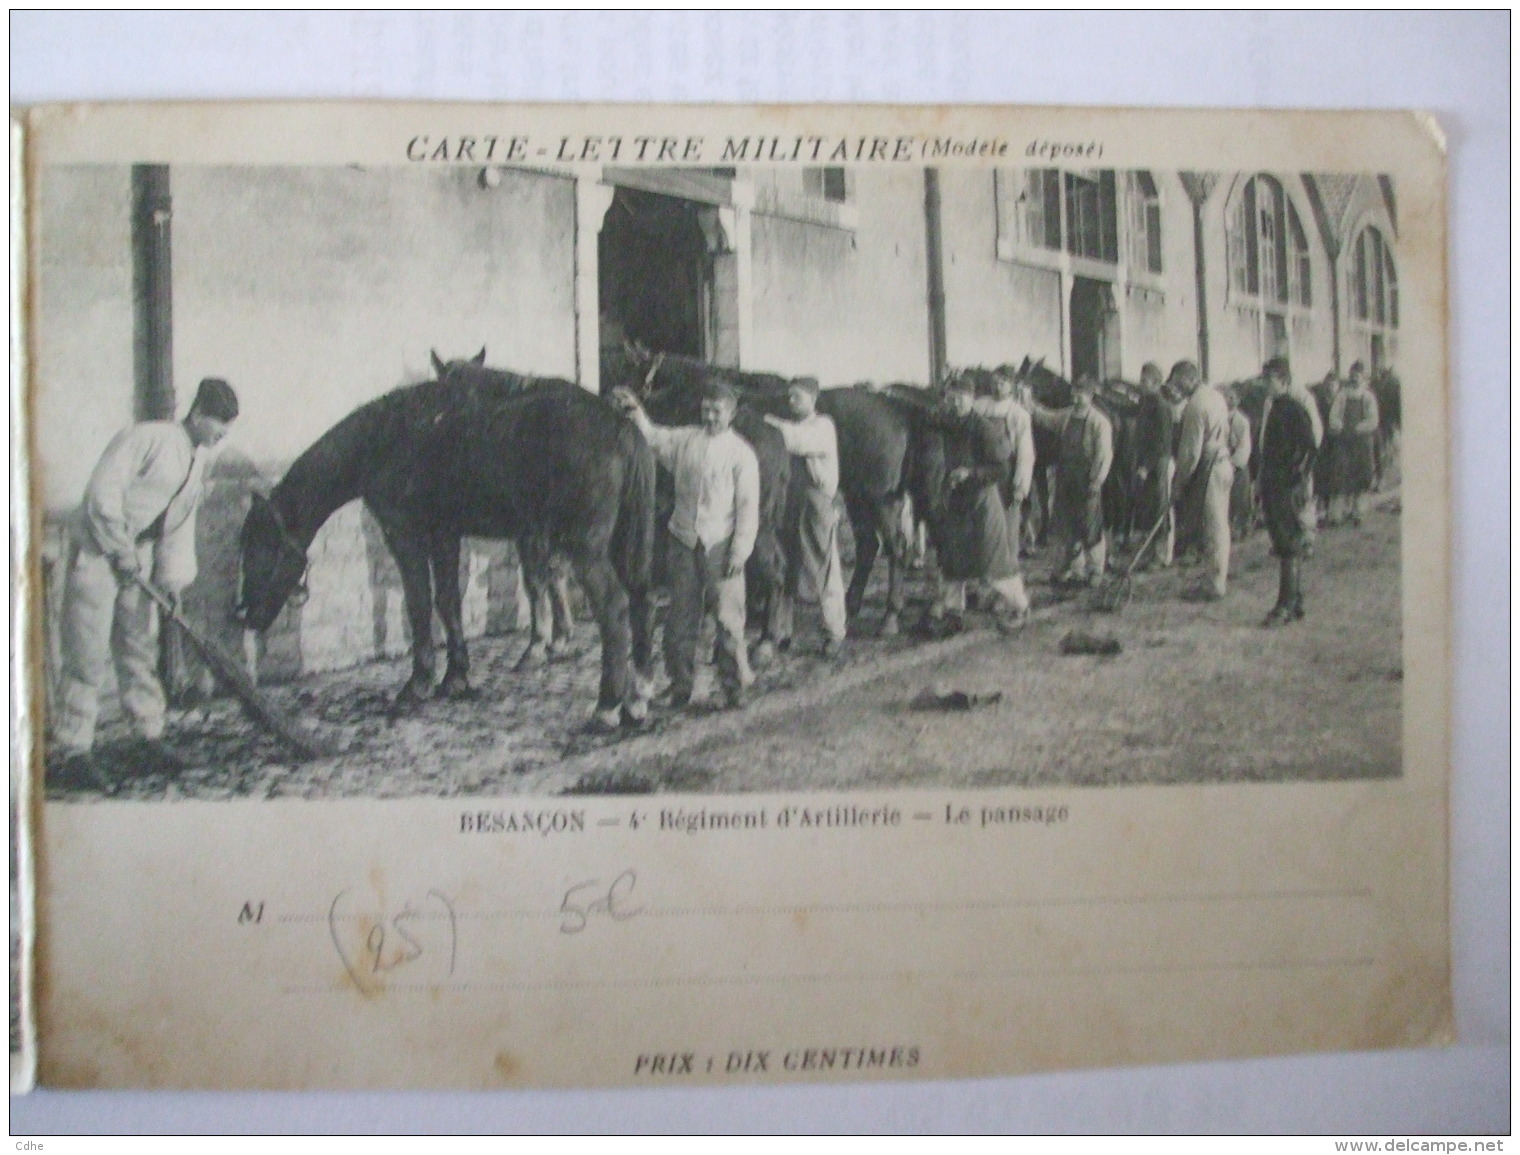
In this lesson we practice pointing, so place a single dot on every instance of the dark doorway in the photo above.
(654, 273)
(1094, 330)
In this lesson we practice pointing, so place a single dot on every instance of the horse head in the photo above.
(273, 566)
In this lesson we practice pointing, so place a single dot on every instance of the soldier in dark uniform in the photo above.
(1290, 440)
(1154, 462)
(974, 542)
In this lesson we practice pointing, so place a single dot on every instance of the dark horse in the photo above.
(877, 434)
(484, 453)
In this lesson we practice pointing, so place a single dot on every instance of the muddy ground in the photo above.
(1198, 693)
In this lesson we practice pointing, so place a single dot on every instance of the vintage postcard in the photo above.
(573, 595)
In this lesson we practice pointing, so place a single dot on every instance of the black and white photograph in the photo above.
(457, 477)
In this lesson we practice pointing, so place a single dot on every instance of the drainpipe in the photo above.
(1201, 290)
(152, 294)
(934, 257)
(1199, 185)
(1333, 253)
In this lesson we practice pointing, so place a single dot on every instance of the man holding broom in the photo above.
(137, 522)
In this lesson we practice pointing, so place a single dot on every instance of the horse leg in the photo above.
(411, 556)
(888, 522)
(776, 592)
(1043, 502)
(562, 635)
(534, 564)
(446, 592)
(641, 629)
(609, 602)
(863, 525)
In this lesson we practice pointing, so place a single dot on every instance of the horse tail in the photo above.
(633, 536)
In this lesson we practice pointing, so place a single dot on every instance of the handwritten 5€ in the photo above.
(591, 899)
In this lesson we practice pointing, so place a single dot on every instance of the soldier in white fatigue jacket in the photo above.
(812, 523)
(712, 533)
(138, 518)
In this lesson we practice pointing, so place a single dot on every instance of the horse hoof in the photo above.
(635, 717)
(890, 626)
(532, 658)
(604, 723)
(458, 690)
(410, 699)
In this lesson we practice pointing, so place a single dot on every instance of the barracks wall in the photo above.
(82, 323)
(1159, 312)
(996, 311)
(315, 289)
(1241, 323)
(840, 292)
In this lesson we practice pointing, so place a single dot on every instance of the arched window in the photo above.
(1374, 281)
(1144, 221)
(1267, 246)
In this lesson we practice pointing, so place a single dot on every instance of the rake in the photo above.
(1114, 595)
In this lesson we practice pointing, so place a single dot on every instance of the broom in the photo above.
(231, 674)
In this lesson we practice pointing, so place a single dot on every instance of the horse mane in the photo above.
(331, 472)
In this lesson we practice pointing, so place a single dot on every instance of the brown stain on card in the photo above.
(508, 1067)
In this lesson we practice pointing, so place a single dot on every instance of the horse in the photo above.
(877, 434)
(670, 389)
(486, 453)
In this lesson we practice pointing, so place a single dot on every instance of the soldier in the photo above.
(137, 523)
(1154, 463)
(976, 546)
(1018, 479)
(1353, 430)
(1290, 439)
(711, 535)
(1082, 464)
(812, 523)
(1242, 495)
(1205, 476)
(1324, 394)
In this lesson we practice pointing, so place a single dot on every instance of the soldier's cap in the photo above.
(808, 383)
(960, 383)
(215, 399)
(1276, 366)
(1086, 383)
(716, 389)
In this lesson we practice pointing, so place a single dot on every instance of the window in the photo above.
(1374, 281)
(1075, 212)
(1144, 222)
(830, 184)
(1091, 216)
(833, 184)
(1041, 204)
(1267, 248)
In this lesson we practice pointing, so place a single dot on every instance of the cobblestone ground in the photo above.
(502, 741)
(1199, 693)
